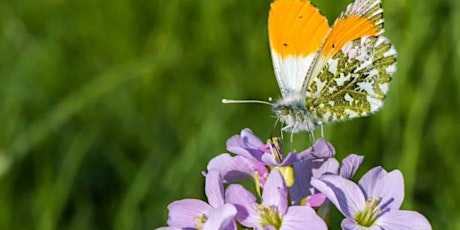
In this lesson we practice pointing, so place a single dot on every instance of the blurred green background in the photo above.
(110, 110)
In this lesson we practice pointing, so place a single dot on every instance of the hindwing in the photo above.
(354, 81)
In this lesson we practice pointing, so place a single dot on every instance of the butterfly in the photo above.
(325, 73)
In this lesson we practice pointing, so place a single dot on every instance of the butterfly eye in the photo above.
(282, 110)
(285, 111)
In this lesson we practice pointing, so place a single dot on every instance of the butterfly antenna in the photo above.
(228, 101)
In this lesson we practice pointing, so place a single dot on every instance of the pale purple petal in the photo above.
(275, 192)
(391, 190)
(302, 217)
(316, 200)
(168, 228)
(304, 170)
(245, 204)
(350, 165)
(246, 144)
(246, 139)
(350, 224)
(343, 193)
(233, 169)
(269, 159)
(222, 217)
(262, 172)
(250, 139)
(387, 186)
(214, 189)
(370, 179)
(232, 226)
(330, 166)
(403, 220)
(321, 149)
(183, 213)
(302, 176)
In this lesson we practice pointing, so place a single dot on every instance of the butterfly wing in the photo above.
(351, 72)
(361, 18)
(353, 83)
(296, 31)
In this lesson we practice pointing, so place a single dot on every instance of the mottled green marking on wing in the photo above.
(354, 82)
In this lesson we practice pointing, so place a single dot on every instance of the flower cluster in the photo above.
(293, 191)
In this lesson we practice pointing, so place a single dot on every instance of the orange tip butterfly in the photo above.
(325, 73)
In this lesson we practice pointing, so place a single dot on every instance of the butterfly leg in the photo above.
(274, 127)
(312, 136)
(292, 135)
(322, 130)
(287, 128)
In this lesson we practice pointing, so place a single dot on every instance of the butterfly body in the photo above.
(328, 74)
(295, 115)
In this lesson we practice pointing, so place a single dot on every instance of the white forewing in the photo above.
(290, 73)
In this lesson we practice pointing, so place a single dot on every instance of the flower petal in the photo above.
(321, 149)
(214, 189)
(350, 164)
(245, 204)
(330, 166)
(247, 138)
(275, 192)
(343, 193)
(301, 217)
(250, 139)
(368, 180)
(233, 169)
(269, 159)
(403, 220)
(389, 187)
(302, 177)
(316, 200)
(222, 217)
(247, 144)
(168, 228)
(350, 224)
(184, 213)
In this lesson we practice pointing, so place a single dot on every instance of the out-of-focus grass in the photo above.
(111, 109)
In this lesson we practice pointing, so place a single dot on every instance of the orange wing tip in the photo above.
(346, 30)
(296, 28)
